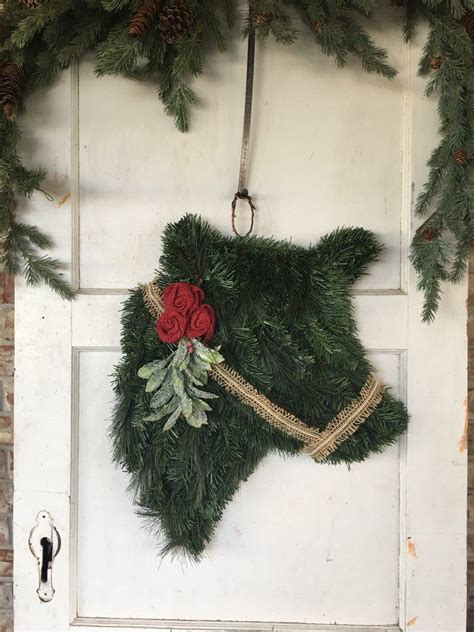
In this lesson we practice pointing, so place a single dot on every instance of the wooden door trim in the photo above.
(84, 624)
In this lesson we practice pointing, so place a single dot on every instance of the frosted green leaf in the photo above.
(165, 410)
(178, 383)
(180, 353)
(198, 372)
(194, 377)
(202, 394)
(162, 396)
(200, 364)
(147, 370)
(156, 380)
(211, 356)
(186, 405)
(200, 405)
(197, 418)
(184, 363)
(172, 419)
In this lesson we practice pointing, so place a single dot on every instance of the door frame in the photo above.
(433, 465)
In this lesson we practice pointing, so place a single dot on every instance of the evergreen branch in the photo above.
(461, 257)
(18, 254)
(59, 32)
(229, 11)
(207, 14)
(372, 57)
(365, 7)
(412, 18)
(26, 182)
(118, 54)
(29, 27)
(430, 259)
(45, 71)
(189, 57)
(88, 34)
(26, 232)
(46, 270)
(178, 98)
(10, 258)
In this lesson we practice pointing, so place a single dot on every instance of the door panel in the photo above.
(288, 533)
(321, 139)
(379, 547)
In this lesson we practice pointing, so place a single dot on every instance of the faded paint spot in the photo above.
(412, 621)
(463, 439)
(412, 548)
(64, 198)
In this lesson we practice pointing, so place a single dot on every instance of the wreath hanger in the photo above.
(242, 192)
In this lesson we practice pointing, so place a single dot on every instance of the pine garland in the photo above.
(165, 41)
(285, 323)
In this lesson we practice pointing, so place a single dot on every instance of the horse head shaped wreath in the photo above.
(242, 346)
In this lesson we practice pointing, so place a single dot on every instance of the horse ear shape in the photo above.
(350, 250)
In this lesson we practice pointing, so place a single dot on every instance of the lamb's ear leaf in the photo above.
(162, 396)
(172, 419)
(193, 378)
(147, 370)
(180, 354)
(156, 380)
(186, 404)
(350, 250)
(177, 380)
(201, 394)
(206, 354)
(197, 418)
(164, 411)
(201, 405)
(200, 364)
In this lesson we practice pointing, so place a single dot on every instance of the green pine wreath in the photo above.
(285, 322)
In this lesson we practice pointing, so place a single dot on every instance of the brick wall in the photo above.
(470, 486)
(6, 453)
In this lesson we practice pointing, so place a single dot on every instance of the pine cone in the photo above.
(31, 4)
(318, 25)
(436, 62)
(468, 23)
(175, 20)
(429, 233)
(143, 18)
(261, 19)
(460, 157)
(12, 78)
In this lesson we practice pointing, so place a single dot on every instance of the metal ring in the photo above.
(239, 196)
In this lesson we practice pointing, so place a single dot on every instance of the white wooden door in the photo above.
(378, 547)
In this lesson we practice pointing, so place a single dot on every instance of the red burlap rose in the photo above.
(182, 297)
(202, 323)
(171, 326)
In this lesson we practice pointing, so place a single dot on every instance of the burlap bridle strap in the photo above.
(319, 444)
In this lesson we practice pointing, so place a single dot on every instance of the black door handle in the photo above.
(47, 557)
(45, 544)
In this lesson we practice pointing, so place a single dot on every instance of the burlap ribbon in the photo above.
(319, 444)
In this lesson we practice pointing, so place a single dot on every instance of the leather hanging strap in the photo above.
(242, 191)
